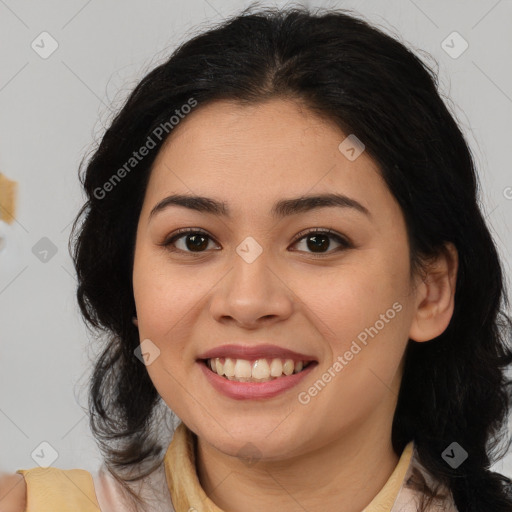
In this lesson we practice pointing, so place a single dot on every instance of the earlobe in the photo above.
(135, 321)
(436, 297)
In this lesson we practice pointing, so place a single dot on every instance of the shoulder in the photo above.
(13, 492)
(49, 489)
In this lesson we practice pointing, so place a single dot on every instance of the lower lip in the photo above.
(254, 390)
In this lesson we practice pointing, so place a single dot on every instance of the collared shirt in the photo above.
(175, 487)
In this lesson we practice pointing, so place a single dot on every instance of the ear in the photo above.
(135, 321)
(436, 296)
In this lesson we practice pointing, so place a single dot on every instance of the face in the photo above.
(263, 276)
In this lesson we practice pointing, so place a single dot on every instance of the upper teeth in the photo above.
(260, 369)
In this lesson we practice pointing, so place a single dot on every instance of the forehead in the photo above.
(266, 129)
(256, 154)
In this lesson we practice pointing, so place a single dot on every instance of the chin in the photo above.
(255, 445)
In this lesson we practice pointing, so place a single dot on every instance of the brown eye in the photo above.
(319, 241)
(193, 241)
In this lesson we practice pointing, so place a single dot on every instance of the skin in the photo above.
(338, 444)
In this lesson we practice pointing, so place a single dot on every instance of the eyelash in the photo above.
(345, 244)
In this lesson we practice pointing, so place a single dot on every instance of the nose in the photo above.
(252, 294)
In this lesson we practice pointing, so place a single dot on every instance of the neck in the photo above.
(345, 474)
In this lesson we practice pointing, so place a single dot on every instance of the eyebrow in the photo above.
(282, 208)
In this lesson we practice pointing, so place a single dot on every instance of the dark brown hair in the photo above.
(340, 67)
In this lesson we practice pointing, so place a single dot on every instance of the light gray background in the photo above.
(51, 111)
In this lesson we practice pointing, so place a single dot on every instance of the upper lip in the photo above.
(254, 352)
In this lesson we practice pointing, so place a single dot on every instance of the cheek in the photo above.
(161, 297)
(168, 300)
(162, 302)
(353, 297)
(362, 310)
(364, 323)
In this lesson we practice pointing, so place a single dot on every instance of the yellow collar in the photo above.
(187, 493)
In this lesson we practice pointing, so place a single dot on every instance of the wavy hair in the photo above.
(454, 387)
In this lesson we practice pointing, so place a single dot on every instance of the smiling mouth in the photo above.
(257, 370)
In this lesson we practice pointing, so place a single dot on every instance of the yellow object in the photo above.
(187, 493)
(8, 192)
(62, 490)
(59, 490)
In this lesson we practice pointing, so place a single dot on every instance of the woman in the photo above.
(283, 242)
